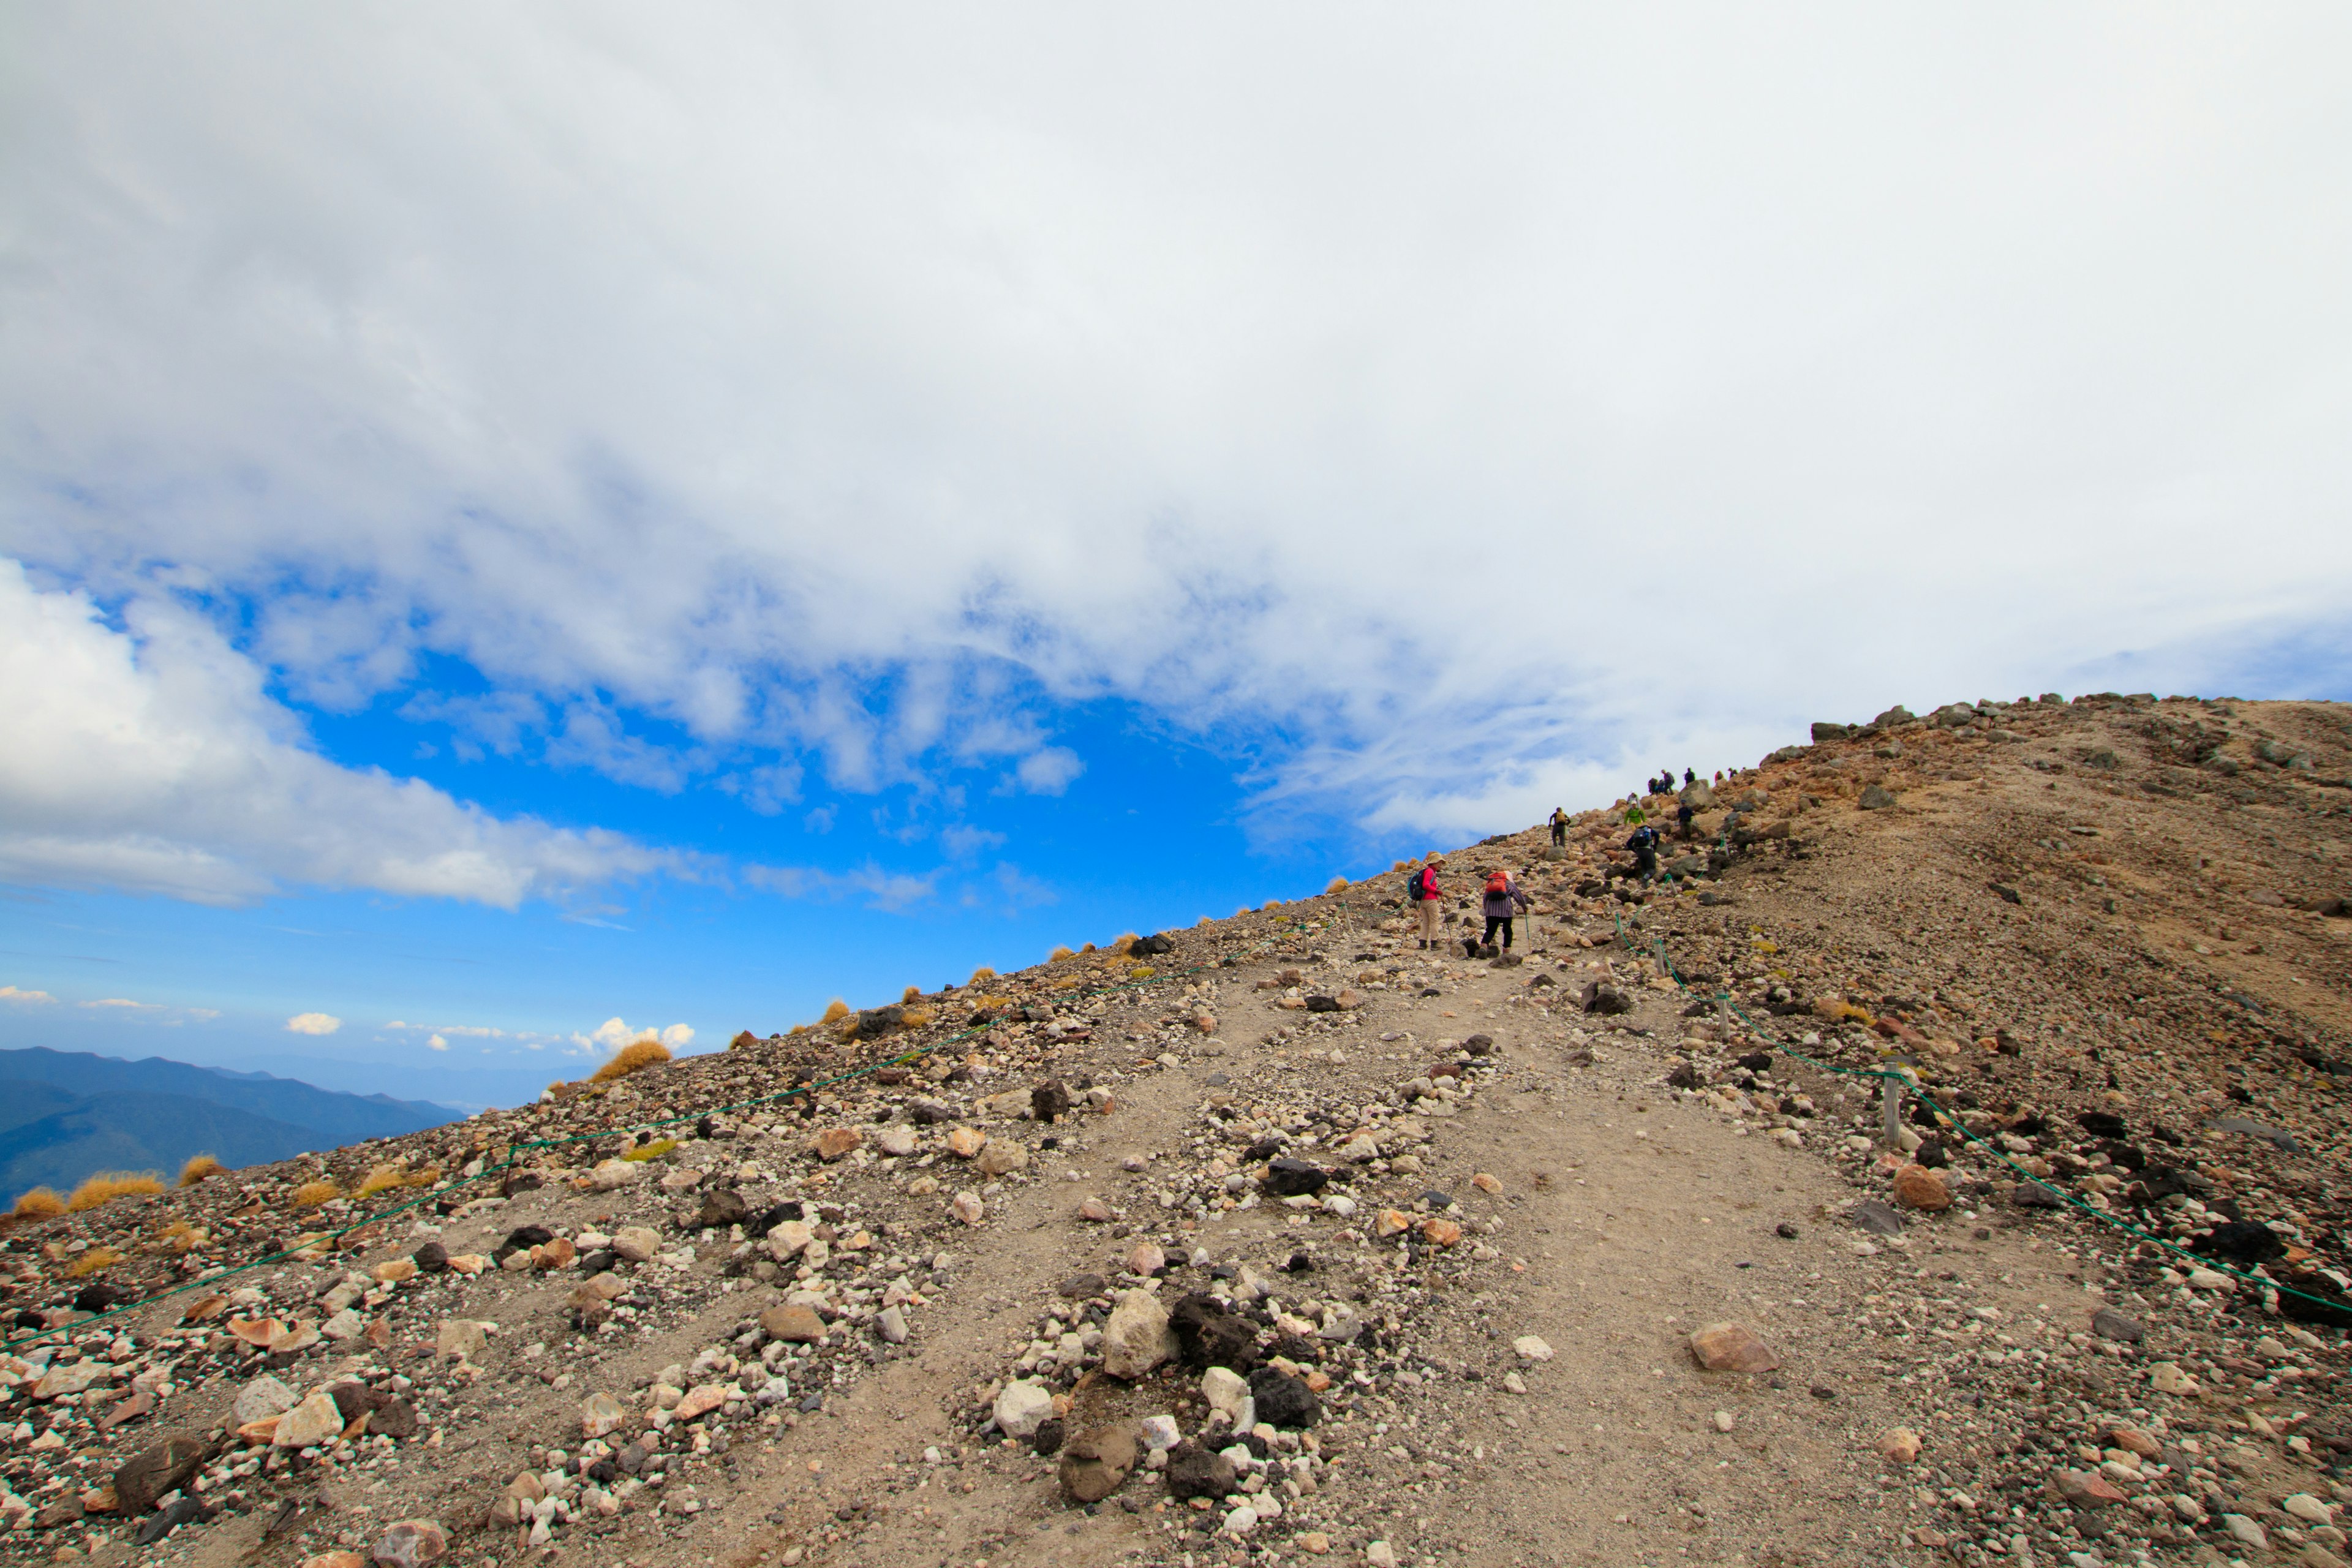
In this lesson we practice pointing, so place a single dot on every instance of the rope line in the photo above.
(1911, 1085)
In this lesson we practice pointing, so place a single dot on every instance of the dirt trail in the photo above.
(1629, 1220)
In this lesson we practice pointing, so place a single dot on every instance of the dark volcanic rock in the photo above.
(1293, 1178)
(1284, 1400)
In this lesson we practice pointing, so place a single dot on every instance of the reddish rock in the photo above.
(1729, 1347)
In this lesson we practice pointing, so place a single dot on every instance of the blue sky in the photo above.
(515, 522)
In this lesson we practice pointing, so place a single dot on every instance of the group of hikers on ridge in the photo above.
(1500, 901)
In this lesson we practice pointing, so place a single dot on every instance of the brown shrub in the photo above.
(91, 1262)
(639, 1054)
(199, 1169)
(310, 1194)
(108, 1186)
(381, 1179)
(835, 1010)
(41, 1203)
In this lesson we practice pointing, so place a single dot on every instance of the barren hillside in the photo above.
(1280, 1238)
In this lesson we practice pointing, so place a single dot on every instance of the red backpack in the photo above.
(1497, 883)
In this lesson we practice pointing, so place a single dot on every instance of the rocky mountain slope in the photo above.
(1279, 1238)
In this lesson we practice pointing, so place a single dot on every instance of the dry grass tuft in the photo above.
(41, 1203)
(1336, 885)
(201, 1168)
(992, 1002)
(914, 1017)
(639, 1054)
(911, 994)
(108, 1186)
(1125, 940)
(835, 1010)
(383, 1178)
(91, 1262)
(981, 975)
(743, 1041)
(1060, 955)
(1401, 866)
(653, 1151)
(310, 1194)
(181, 1237)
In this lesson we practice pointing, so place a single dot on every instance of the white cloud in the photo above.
(613, 1033)
(127, 1004)
(880, 890)
(1050, 771)
(11, 993)
(151, 759)
(435, 1043)
(1669, 378)
(963, 841)
(313, 1024)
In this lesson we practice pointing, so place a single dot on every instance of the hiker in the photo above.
(1690, 777)
(1503, 900)
(1684, 817)
(1645, 845)
(1559, 827)
(1425, 894)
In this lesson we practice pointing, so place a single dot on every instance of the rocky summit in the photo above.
(1943, 1162)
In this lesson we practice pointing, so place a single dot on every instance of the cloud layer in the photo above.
(1448, 420)
(149, 759)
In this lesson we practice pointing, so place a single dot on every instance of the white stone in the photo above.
(1225, 1389)
(1138, 1337)
(1532, 1348)
(314, 1421)
(610, 1173)
(891, 1323)
(262, 1398)
(1158, 1432)
(1022, 1407)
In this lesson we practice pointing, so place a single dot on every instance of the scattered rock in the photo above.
(1917, 1187)
(1096, 1464)
(1283, 1400)
(412, 1544)
(1729, 1347)
(1138, 1336)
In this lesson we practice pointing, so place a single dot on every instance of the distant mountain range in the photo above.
(65, 1115)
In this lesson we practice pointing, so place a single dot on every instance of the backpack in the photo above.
(1424, 886)
(1498, 884)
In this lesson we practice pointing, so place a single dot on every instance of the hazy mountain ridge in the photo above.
(67, 1115)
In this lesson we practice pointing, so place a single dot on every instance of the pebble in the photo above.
(1532, 1348)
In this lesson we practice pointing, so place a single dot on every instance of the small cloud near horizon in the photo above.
(313, 1024)
(11, 993)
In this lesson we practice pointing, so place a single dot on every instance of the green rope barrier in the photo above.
(1911, 1085)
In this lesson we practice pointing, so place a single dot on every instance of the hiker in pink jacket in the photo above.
(1422, 889)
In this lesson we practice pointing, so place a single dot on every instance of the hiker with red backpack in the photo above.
(1423, 889)
(1503, 900)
